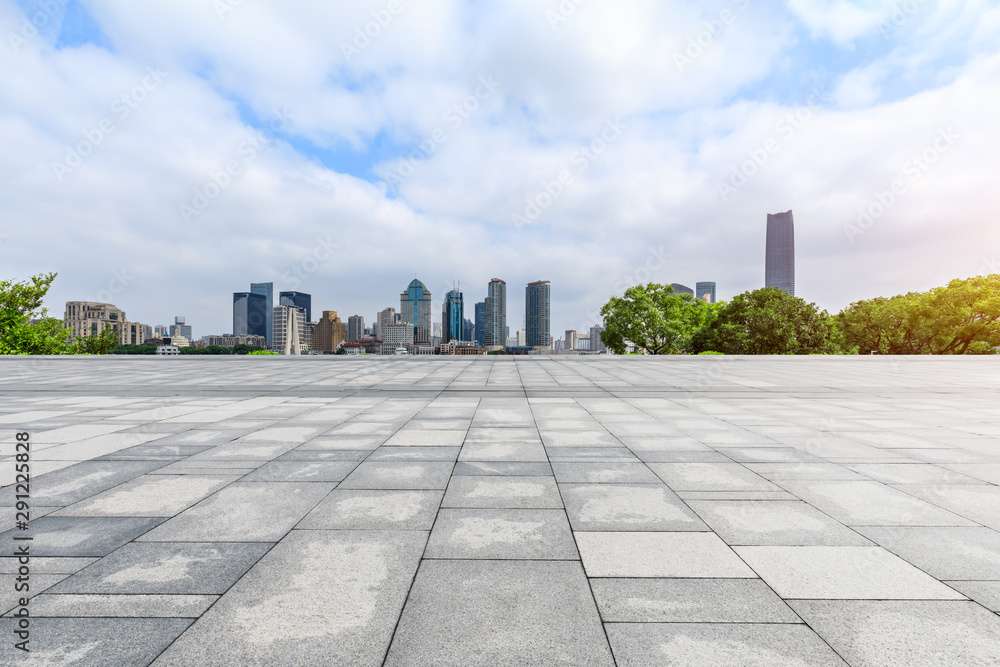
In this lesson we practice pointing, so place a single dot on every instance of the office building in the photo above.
(398, 334)
(233, 341)
(415, 308)
(90, 318)
(779, 257)
(267, 291)
(682, 289)
(179, 328)
(289, 329)
(469, 331)
(160, 330)
(328, 333)
(569, 342)
(299, 300)
(453, 317)
(147, 331)
(594, 343)
(495, 336)
(481, 324)
(537, 315)
(384, 319)
(249, 316)
(355, 328)
(705, 292)
(135, 333)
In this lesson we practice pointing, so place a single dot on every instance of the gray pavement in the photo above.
(505, 511)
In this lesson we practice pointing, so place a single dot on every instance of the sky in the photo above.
(161, 156)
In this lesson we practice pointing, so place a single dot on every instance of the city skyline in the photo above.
(157, 155)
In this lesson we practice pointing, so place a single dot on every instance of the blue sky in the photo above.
(388, 154)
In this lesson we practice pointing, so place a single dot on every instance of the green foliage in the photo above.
(340, 350)
(262, 352)
(19, 303)
(145, 348)
(710, 352)
(102, 343)
(961, 318)
(210, 349)
(652, 318)
(244, 349)
(768, 321)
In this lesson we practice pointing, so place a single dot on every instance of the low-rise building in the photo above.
(229, 340)
(90, 318)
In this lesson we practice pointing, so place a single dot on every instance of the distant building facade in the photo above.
(329, 332)
(267, 291)
(289, 329)
(233, 341)
(495, 336)
(682, 289)
(415, 308)
(453, 317)
(90, 318)
(779, 258)
(249, 316)
(481, 323)
(538, 314)
(569, 340)
(384, 319)
(595, 344)
(299, 300)
(355, 328)
(180, 328)
(705, 292)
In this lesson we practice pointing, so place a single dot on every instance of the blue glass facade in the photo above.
(453, 317)
(481, 323)
(250, 315)
(537, 314)
(299, 300)
(267, 291)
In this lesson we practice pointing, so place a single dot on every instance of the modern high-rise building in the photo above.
(779, 259)
(355, 328)
(289, 329)
(453, 317)
(495, 337)
(596, 345)
(705, 291)
(329, 332)
(160, 330)
(538, 314)
(267, 291)
(569, 342)
(469, 331)
(385, 318)
(179, 328)
(682, 289)
(415, 308)
(299, 300)
(481, 323)
(249, 316)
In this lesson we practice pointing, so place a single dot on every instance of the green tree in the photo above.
(101, 343)
(20, 302)
(768, 321)
(652, 318)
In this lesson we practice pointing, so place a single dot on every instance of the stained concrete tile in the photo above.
(502, 451)
(317, 598)
(302, 471)
(763, 522)
(150, 495)
(10, 596)
(706, 456)
(399, 475)
(81, 536)
(579, 439)
(792, 471)
(842, 573)
(872, 504)
(915, 633)
(715, 645)
(584, 454)
(943, 552)
(78, 481)
(769, 455)
(48, 564)
(604, 507)
(501, 534)
(979, 502)
(96, 642)
(736, 495)
(415, 454)
(632, 554)
(121, 606)
(174, 568)
(502, 492)
(502, 468)
(326, 443)
(689, 601)
(325, 455)
(459, 613)
(986, 593)
(911, 473)
(607, 472)
(375, 510)
(427, 438)
(244, 512)
(711, 477)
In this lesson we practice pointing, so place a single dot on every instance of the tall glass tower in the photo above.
(452, 317)
(249, 316)
(495, 334)
(537, 314)
(779, 260)
(267, 290)
(480, 337)
(297, 299)
(705, 291)
(415, 309)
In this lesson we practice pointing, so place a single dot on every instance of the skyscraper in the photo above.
(452, 317)
(537, 314)
(705, 291)
(289, 329)
(682, 289)
(495, 337)
(267, 290)
(779, 260)
(415, 309)
(329, 332)
(385, 318)
(468, 330)
(299, 300)
(596, 345)
(179, 328)
(569, 342)
(355, 328)
(481, 324)
(249, 318)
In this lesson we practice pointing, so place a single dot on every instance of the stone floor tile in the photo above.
(711, 477)
(770, 522)
(374, 510)
(502, 492)
(632, 554)
(943, 552)
(399, 475)
(610, 507)
(604, 472)
(501, 534)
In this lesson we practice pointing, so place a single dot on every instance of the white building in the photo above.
(288, 329)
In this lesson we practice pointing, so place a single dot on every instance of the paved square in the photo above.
(576, 510)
